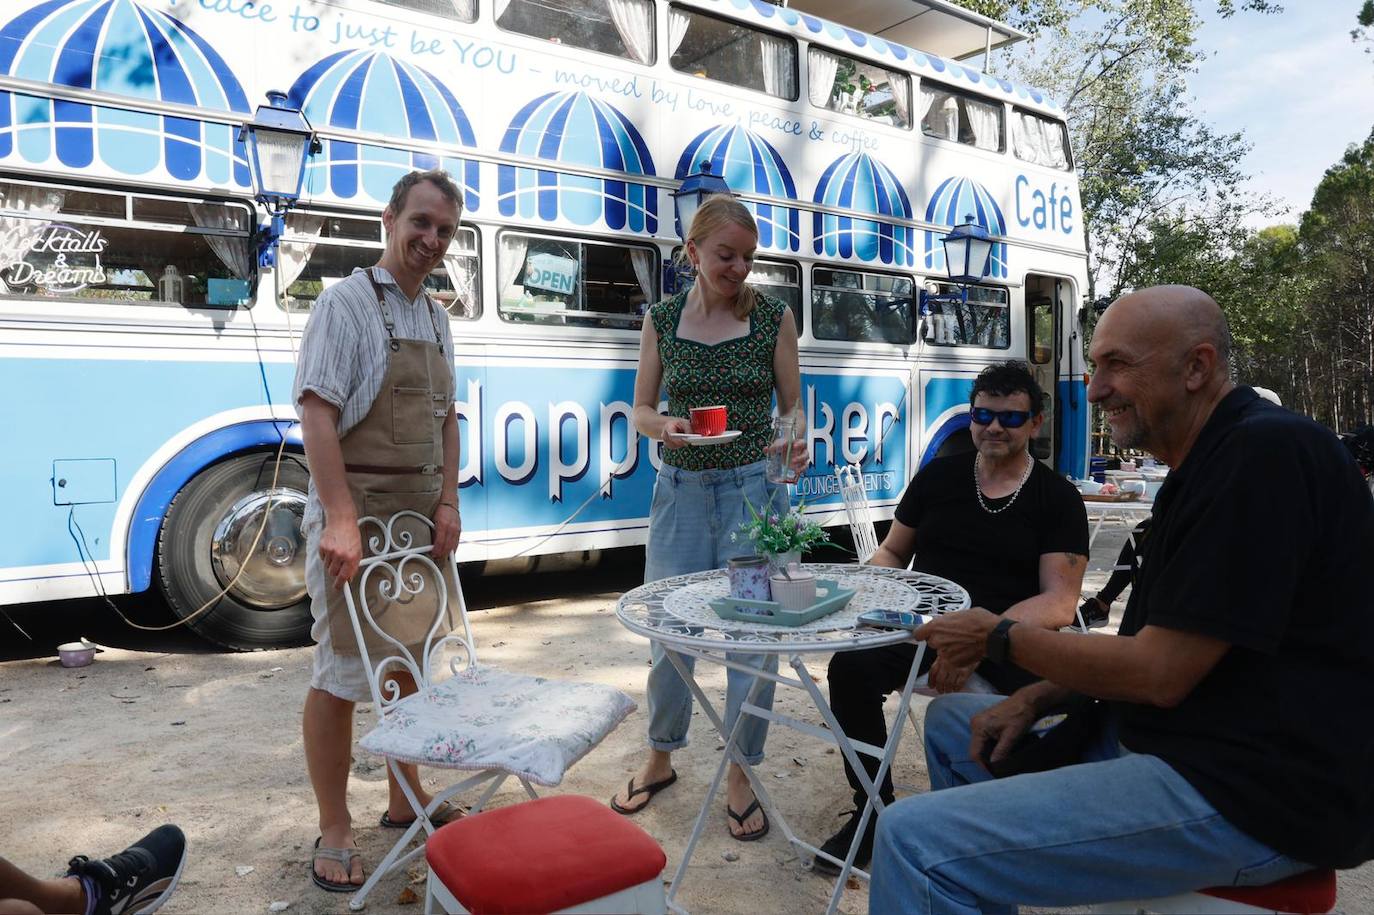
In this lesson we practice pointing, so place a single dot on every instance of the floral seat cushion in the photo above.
(487, 718)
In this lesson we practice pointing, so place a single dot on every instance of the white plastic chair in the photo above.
(478, 719)
(851, 480)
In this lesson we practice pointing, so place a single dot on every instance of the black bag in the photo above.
(1061, 745)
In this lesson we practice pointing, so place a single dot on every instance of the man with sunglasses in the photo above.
(1001, 524)
(1225, 735)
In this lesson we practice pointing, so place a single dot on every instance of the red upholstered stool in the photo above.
(1308, 893)
(554, 854)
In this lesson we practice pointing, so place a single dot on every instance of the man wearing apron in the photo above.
(374, 385)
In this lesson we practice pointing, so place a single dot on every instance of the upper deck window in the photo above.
(462, 10)
(859, 88)
(72, 243)
(318, 250)
(624, 28)
(1041, 141)
(732, 53)
(953, 115)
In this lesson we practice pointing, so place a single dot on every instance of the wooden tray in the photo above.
(829, 598)
(1114, 497)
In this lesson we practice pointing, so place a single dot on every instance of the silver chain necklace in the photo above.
(977, 487)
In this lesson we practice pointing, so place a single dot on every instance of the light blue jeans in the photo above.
(694, 513)
(1120, 825)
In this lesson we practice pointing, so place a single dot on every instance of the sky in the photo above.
(1297, 86)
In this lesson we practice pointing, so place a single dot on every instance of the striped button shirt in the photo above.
(343, 355)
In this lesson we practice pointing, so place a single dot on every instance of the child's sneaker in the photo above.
(139, 879)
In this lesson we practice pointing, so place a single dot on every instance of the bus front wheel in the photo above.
(232, 540)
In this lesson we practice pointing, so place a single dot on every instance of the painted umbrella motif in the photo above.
(750, 165)
(373, 92)
(954, 201)
(576, 129)
(860, 182)
(124, 48)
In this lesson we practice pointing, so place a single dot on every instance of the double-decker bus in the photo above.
(146, 351)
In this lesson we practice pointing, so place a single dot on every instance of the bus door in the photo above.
(1044, 318)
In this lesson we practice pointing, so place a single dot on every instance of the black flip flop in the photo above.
(650, 790)
(741, 817)
(445, 814)
(344, 856)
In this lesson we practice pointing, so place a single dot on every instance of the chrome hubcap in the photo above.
(273, 575)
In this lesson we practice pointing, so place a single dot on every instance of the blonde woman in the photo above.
(720, 342)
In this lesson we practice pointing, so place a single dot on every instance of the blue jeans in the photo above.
(1119, 825)
(694, 513)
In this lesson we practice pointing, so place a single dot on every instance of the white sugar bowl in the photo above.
(796, 590)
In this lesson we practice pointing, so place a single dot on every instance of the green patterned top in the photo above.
(737, 373)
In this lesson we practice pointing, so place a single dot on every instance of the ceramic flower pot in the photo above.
(795, 593)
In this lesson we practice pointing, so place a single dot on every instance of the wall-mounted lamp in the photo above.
(279, 141)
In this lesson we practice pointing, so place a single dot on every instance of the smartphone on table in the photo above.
(893, 619)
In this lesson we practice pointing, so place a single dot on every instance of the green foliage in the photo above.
(1365, 33)
(775, 534)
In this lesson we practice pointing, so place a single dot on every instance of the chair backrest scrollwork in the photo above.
(395, 568)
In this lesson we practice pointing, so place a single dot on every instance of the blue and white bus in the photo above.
(146, 356)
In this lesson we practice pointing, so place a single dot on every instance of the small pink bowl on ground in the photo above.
(708, 420)
(75, 654)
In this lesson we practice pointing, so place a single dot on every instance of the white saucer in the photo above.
(691, 438)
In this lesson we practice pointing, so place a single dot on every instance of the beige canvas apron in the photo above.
(394, 460)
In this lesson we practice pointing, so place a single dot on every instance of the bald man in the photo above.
(1226, 736)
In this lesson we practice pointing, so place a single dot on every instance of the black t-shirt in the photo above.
(995, 557)
(1264, 538)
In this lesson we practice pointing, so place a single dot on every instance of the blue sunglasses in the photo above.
(1010, 419)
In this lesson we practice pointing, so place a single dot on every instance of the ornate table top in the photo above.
(671, 611)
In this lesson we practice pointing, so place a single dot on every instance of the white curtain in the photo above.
(499, 7)
(17, 234)
(462, 273)
(986, 123)
(821, 67)
(465, 10)
(644, 262)
(292, 256)
(234, 251)
(779, 66)
(510, 262)
(900, 87)
(678, 22)
(634, 20)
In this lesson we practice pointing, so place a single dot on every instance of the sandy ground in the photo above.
(163, 729)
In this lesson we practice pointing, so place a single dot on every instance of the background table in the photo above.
(684, 629)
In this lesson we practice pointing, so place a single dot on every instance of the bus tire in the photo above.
(207, 531)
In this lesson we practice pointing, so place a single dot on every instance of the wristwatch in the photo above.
(999, 641)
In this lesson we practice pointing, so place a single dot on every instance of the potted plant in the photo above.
(781, 537)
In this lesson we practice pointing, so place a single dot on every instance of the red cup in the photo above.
(708, 420)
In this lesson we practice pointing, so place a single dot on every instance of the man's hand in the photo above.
(945, 677)
(1000, 726)
(341, 548)
(961, 638)
(448, 526)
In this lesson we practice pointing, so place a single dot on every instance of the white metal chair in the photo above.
(478, 719)
(851, 480)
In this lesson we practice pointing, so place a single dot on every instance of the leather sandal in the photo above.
(741, 817)
(650, 789)
(343, 856)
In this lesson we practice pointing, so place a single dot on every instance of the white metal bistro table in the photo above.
(676, 613)
(1131, 513)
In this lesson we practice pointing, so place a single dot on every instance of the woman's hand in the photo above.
(673, 426)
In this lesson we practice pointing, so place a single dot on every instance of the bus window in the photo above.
(782, 282)
(1041, 141)
(953, 115)
(317, 250)
(861, 307)
(624, 28)
(855, 87)
(70, 243)
(545, 280)
(461, 10)
(732, 53)
(984, 320)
